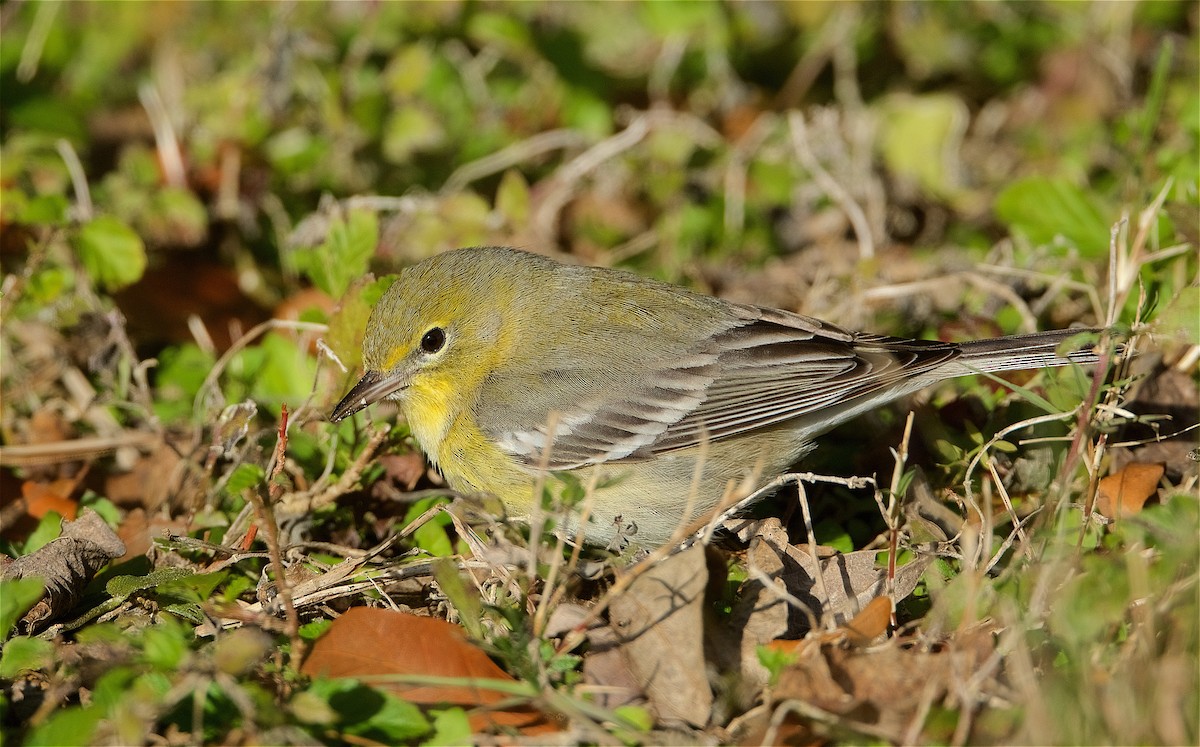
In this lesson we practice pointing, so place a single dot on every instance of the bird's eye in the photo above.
(433, 340)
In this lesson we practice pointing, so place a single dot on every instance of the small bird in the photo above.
(510, 367)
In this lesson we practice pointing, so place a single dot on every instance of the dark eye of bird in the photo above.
(433, 340)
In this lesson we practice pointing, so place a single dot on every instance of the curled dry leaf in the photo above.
(1124, 493)
(366, 641)
(66, 565)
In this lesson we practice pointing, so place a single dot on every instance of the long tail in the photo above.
(1037, 350)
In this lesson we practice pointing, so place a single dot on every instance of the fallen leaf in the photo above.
(1124, 493)
(881, 688)
(66, 565)
(871, 623)
(763, 613)
(43, 497)
(366, 641)
(404, 469)
(660, 623)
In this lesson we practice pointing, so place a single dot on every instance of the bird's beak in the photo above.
(371, 388)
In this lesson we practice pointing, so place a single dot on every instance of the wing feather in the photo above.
(767, 368)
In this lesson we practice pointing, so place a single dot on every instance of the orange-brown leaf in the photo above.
(1124, 493)
(43, 497)
(871, 622)
(367, 641)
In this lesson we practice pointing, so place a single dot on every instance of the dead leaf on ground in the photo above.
(659, 622)
(367, 641)
(155, 477)
(66, 564)
(764, 613)
(879, 690)
(1124, 493)
(43, 497)
(404, 469)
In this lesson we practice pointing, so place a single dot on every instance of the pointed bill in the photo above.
(371, 388)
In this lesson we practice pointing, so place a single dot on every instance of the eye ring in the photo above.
(433, 340)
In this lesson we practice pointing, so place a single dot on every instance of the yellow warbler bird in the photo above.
(507, 363)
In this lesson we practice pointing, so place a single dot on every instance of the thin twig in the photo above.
(266, 515)
(831, 187)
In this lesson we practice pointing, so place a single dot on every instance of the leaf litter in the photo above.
(975, 635)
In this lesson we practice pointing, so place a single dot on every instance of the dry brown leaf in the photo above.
(404, 469)
(606, 670)
(880, 688)
(660, 623)
(763, 613)
(869, 624)
(1124, 493)
(153, 478)
(43, 497)
(367, 641)
(66, 565)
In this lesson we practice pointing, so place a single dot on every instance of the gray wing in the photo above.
(770, 367)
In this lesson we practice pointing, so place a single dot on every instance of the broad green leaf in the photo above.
(639, 718)
(68, 727)
(245, 475)
(180, 373)
(23, 653)
(450, 727)
(395, 722)
(348, 323)
(17, 596)
(411, 129)
(920, 139)
(1181, 317)
(165, 645)
(48, 528)
(348, 248)
(285, 371)
(111, 252)
(1042, 208)
(512, 198)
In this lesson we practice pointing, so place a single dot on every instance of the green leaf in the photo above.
(344, 256)
(180, 373)
(1181, 317)
(120, 587)
(450, 727)
(23, 653)
(285, 371)
(368, 712)
(411, 129)
(348, 323)
(639, 718)
(920, 140)
(396, 721)
(111, 252)
(512, 198)
(48, 529)
(165, 645)
(1042, 208)
(17, 596)
(430, 536)
(465, 598)
(66, 728)
(197, 587)
(245, 475)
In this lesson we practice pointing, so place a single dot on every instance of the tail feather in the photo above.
(1037, 350)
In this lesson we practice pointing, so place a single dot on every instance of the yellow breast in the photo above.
(471, 463)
